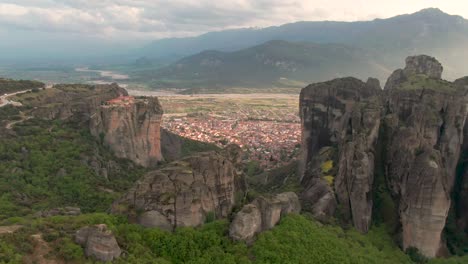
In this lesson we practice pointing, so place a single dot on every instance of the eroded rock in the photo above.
(418, 122)
(131, 128)
(98, 242)
(185, 192)
(342, 114)
(262, 214)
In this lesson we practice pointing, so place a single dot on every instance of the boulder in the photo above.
(262, 214)
(155, 219)
(98, 242)
(186, 192)
(246, 224)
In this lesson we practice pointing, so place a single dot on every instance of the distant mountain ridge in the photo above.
(275, 63)
(381, 42)
(352, 33)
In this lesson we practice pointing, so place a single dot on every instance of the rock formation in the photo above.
(98, 243)
(424, 128)
(186, 192)
(131, 128)
(73, 101)
(68, 211)
(343, 113)
(262, 214)
(419, 120)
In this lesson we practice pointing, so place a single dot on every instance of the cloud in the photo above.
(173, 18)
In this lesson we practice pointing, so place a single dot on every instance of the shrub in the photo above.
(416, 256)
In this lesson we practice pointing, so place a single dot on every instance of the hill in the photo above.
(386, 41)
(276, 63)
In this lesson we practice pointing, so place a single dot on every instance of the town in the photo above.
(268, 132)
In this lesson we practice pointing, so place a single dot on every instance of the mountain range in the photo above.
(305, 52)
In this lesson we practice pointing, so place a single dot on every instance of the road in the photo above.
(4, 98)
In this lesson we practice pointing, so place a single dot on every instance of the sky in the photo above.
(92, 25)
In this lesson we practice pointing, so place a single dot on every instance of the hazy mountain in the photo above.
(405, 31)
(275, 63)
(383, 43)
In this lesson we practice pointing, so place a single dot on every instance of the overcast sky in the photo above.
(150, 19)
(38, 27)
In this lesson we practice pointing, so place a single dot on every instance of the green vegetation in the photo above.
(421, 81)
(457, 238)
(51, 164)
(190, 147)
(11, 86)
(300, 240)
(296, 239)
(282, 179)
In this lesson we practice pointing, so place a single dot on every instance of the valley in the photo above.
(334, 142)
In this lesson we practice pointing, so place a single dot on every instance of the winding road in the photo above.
(4, 99)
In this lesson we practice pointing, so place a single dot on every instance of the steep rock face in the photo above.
(424, 127)
(186, 192)
(131, 128)
(262, 214)
(343, 114)
(461, 191)
(98, 242)
(419, 122)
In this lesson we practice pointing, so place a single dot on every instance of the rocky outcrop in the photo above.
(424, 129)
(72, 101)
(98, 243)
(131, 128)
(344, 115)
(262, 214)
(67, 211)
(423, 64)
(418, 120)
(186, 192)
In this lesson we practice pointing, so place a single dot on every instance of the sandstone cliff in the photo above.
(424, 125)
(186, 192)
(131, 128)
(418, 120)
(340, 116)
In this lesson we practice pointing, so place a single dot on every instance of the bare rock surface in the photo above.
(262, 214)
(419, 120)
(186, 192)
(131, 128)
(423, 64)
(98, 242)
(345, 113)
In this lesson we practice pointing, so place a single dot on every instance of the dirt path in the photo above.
(23, 118)
(9, 229)
(41, 249)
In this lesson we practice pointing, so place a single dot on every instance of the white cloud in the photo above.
(166, 18)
